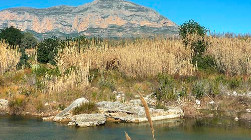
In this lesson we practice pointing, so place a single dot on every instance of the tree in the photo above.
(47, 50)
(12, 35)
(192, 27)
(197, 44)
(28, 41)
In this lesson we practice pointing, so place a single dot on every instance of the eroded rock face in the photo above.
(133, 113)
(105, 18)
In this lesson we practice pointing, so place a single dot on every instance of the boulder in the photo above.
(66, 112)
(3, 104)
(87, 120)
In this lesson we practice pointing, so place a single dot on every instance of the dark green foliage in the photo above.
(86, 108)
(198, 46)
(23, 62)
(42, 70)
(191, 27)
(166, 88)
(234, 83)
(12, 35)
(204, 62)
(28, 41)
(47, 50)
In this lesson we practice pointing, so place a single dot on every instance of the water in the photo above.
(18, 128)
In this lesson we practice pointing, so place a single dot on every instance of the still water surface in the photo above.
(19, 128)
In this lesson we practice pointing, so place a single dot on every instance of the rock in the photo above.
(135, 113)
(63, 115)
(48, 118)
(236, 119)
(248, 110)
(197, 102)
(3, 104)
(87, 120)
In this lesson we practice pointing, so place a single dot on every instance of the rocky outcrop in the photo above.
(131, 112)
(104, 18)
(87, 120)
(67, 111)
(135, 113)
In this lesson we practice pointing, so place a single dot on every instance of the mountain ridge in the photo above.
(104, 18)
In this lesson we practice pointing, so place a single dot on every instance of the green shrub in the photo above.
(234, 83)
(17, 105)
(166, 88)
(198, 89)
(39, 106)
(86, 108)
(105, 83)
(204, 62)
(214, 87)
(23, 62)
(42, 70)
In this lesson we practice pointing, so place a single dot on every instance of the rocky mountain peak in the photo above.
(105, 18)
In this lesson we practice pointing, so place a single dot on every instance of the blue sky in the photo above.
(217, 15)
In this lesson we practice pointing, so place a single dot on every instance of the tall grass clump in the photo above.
(74, 71)
(9, 58)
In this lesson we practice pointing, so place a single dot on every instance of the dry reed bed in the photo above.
(74, 70)
(232, 55)
(8, 58)
(144, 58)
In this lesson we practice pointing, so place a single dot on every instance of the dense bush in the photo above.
(28, 41)
(166, 88)
(12, 35)
(204, 62)
(198, 89)
(23, 62)
(47, 51)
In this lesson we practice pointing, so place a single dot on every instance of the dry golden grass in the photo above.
(144, 58)
(232, 55)
(8, 58)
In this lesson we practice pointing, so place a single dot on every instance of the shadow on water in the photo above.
(23, 128)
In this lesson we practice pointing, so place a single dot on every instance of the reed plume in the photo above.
(148, 115)
(127, 136)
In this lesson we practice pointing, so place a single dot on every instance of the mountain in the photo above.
(103, 18)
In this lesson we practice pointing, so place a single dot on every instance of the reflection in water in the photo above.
(12, 128)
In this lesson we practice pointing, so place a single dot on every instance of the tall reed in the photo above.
(8, 58)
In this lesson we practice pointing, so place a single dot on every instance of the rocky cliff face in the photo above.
(104, 18)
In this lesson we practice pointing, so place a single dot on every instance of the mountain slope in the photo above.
(104, 18)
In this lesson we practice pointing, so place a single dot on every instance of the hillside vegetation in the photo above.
(192, 66)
